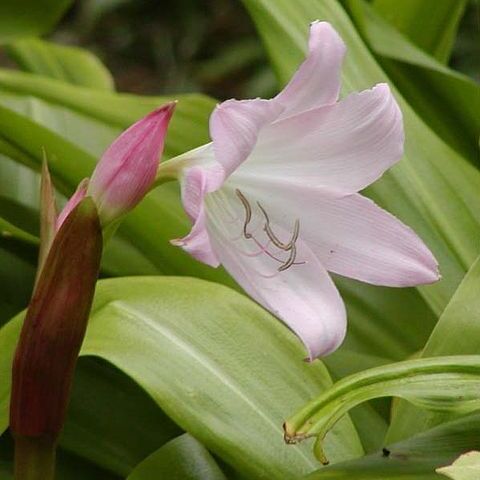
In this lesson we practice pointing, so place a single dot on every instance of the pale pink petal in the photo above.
(74, 200)
(303, 296)
(351, 235)
(128, 168)
(195, 185)
(317, 81)
(234, 128)
(197, 242)
(341, 148)
(356, 238)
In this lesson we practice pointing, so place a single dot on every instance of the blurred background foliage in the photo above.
(210, 46)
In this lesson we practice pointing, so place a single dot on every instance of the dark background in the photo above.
(171, 46)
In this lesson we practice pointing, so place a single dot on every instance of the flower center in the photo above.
(290, 247)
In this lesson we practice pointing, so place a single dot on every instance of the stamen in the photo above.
(286, 247)
(268, 230)
(290, 261)
(248, 213)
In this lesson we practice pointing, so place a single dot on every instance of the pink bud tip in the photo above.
(127, 169)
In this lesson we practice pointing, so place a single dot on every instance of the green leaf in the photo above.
(467, 467)
(7, 229)
(430, 24)
(413, 459)
(456, 333)
(188, 128)
(377, 331)
(432, 188)
(443, 384)
(226, 371)
(71, 64)
(448, 101)
(23, 18)
(183, 458)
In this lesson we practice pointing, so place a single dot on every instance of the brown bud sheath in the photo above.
(48, 214)
(52, 335)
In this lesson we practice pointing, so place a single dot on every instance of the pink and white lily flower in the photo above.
(274, 197)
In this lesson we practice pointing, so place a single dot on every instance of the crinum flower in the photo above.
(274, 197)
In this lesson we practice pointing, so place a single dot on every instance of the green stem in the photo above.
(34, 458)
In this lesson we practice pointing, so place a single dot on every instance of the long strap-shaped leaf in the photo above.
(430, 24)
(443, 384)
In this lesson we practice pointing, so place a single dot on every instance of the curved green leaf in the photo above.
(217, 364)
(183, 458)
(70, 64)
(446, 100)
(413, 459)
(443, 384)
(188, 128)
(430, 24)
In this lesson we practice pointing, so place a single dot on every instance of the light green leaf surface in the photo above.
(430, 24)
(456, 333)
(446, 100)
(432, 189)
(24, 18)
(443, 384)
(183, 458)
(413, 459)
(224, 370)
(188, 125)
(467, 467)
(71, 64)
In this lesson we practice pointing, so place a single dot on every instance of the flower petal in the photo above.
(351, 235)
(365, 242)
(342, 148)
(303, 296)
(234, 128)
(317, 80)
(195, 185)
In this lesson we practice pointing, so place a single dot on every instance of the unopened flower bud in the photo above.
(128, 168)
(53, 331)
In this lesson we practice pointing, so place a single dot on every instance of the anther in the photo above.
(286, 247)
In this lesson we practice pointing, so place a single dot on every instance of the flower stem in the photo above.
(34, 458)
